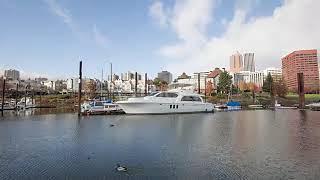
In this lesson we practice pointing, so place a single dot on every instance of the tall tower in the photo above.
(249, 64)
(236, 63)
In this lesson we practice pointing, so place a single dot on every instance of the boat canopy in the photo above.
(233, 103)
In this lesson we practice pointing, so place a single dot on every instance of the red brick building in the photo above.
(303, 61)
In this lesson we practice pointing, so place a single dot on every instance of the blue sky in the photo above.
(49, 37)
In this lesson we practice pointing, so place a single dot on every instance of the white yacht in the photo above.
(166, 102)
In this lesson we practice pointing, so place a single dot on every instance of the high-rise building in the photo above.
(276, 73)
(248, 62)
(165, 76)
(12, 74)
(303, 61)
(236, 63)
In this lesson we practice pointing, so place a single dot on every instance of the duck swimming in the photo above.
(121, 168)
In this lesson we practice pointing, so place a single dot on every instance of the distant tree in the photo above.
(90, 89)
(268, 84)
(157, 82)
(160, 85)
(280, 88)
(253, 87)
(235, 90)
(225, 81)
(209, 88)
(243, 86)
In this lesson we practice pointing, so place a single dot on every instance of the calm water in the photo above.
(225, 145)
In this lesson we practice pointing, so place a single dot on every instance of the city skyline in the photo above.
(48, 38)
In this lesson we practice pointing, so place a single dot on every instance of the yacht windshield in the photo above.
(167, 95)
(153, 93)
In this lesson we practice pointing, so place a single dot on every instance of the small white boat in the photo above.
(25, 103)
(174, 101)
(220, 107)
(100, 107)
(279, 106)
(314, 106)
(6, 106)
(255, 106)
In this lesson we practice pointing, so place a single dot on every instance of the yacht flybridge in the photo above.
(165, 103)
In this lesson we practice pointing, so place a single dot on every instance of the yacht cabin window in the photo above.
(98, 103)
(167, 95)
(191, 98)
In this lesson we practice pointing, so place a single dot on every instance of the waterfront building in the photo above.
(302, 61)
(241, 77)
(236, 63)
(165, 76)
(184, 76)
(257, 78)
(130, 75)
(203, 77)
(40, 79)
(276, 73)
(214, 78)
(12, 74)
(248, 62)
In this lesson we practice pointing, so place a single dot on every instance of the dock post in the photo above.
(145, 84)
(205, 89)
(301, 90)
(25, 98)
(32, 96)
(80, 87)
(136, 84)
(3, 91)
(17, 92)
(40, 98)
(199, 83)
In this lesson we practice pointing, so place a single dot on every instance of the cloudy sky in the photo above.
(49, 37)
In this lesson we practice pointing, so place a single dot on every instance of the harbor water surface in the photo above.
(262, 144)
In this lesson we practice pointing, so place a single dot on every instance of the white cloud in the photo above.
(61, 12)
(292, 26)
(100, 38)
(157, 12)
(189, 20)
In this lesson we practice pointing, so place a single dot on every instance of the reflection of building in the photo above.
(165, 76)
(12, 74)
(248, 62)
(236, 63)
(303, 61)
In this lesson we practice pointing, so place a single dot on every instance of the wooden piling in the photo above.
(80, 88)
(16, 97)
(3, 93)
(25, 97)
(199, 83)
(136, 84)
(205, 89)
(145, 84)
(301, 90)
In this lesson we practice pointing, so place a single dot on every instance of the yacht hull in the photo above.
(164, 108)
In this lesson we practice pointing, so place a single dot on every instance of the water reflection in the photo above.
(225, 145)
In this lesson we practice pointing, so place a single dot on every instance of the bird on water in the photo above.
(121, 168)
